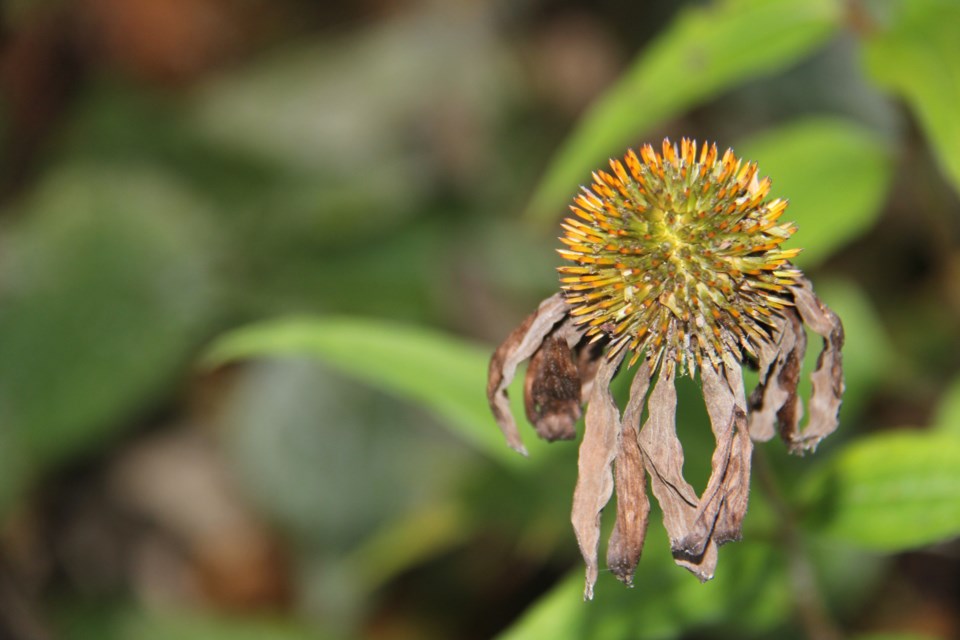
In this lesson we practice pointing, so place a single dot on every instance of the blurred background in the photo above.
(254, 256)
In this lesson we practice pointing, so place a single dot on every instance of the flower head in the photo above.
(678, 254)
(677, 260)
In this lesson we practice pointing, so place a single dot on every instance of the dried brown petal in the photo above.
(724, 502)
(589, 354)
(729, 523)
(721, 407)
(827, 378)
(521, 344)
(663, 457)
(595, 477)
(775, 400)
(552, 390)
(633, 504)
(702, 567)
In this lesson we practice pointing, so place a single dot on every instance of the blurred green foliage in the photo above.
(888, 491)
(81, 623)
(826, 165)
(110, 290)
(428, 368)
(916, 53)
(703, 52)
(345, 213)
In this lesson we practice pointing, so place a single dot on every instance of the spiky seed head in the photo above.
(677, 256)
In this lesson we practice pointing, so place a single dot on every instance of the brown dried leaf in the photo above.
(827, 394)
(552, 390)
(521, 344)
(595, 477)
(633, 504)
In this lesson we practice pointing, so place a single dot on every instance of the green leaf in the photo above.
(558, 614)
(835, 175)
(947, 419)
(889, 492)
(918, 57)
(750, 594)
(427, 367)
(14, 469)
(294, 423)
(705, 51)
(107, 288)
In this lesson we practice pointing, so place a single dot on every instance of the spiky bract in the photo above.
(678, 256)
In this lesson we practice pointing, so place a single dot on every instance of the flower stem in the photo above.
(811, 610)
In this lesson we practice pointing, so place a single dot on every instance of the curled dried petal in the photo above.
(775, 400)
(703, 566)
(552, 390)
(663, 458)
(729, 524)
(595, 478)
(589, 354)
(721, 407)
(827, 394)
(521, 344)
(633, 504)
(724, 502)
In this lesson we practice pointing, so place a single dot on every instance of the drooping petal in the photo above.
(721, 407)
(595, 483)
(663, 457)
(775, 398)
(774, 401)
(827, 378)
(589, 353)
(633, 504)
(521, 344)
(703, 567)
(725, 507)
(552, 390)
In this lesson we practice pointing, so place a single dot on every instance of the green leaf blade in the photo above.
(749, 595)
(835, 175)
(705, 51)
(427, 367)
(947, 418)
(112, 288)
(918, 58)
(889, 492)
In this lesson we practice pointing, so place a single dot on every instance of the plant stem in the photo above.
(811, 610)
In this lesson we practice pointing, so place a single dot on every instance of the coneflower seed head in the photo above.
(677, 256)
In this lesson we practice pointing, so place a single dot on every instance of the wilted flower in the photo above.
(677, 263)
